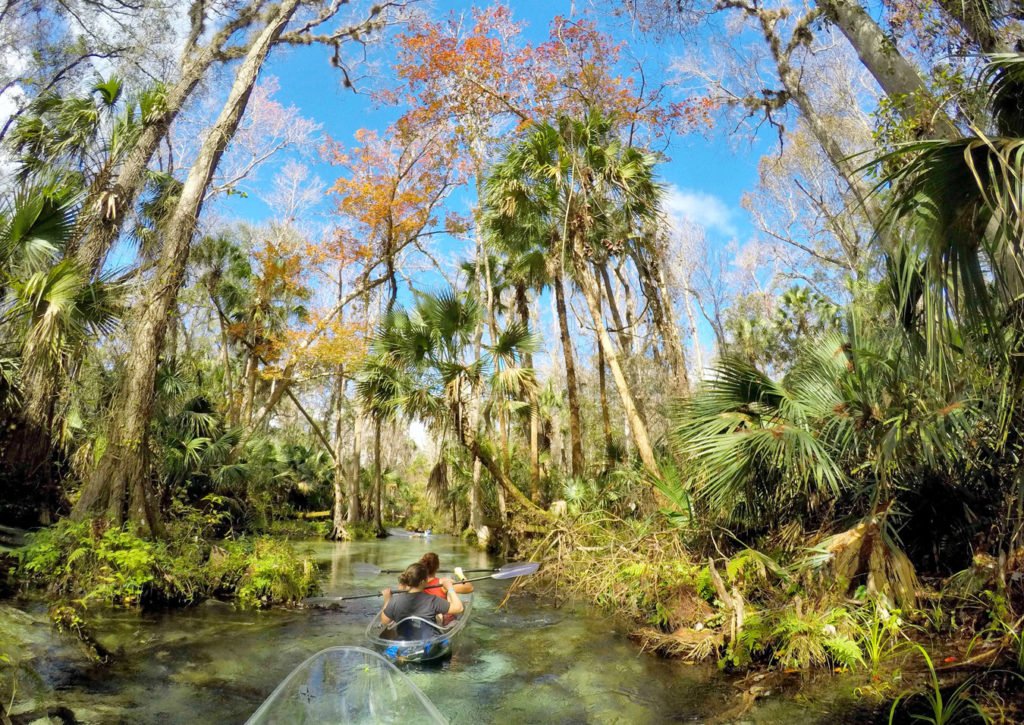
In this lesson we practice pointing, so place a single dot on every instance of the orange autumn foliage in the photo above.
(390, 193)
(484, 79)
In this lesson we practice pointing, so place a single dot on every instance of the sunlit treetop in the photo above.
(484, 79)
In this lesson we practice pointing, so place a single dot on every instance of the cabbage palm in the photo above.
(423, 365)
(583, 194)
(962, 205)
(49, 310)
(856, 420)
(519, 223)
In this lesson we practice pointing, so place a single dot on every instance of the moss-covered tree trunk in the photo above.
(119, 488)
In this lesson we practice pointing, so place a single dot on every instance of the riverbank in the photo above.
(782, 626)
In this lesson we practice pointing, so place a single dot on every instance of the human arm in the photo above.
(462, 587)
(386, 593)
(455, 605)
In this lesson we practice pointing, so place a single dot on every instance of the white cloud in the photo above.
(701, 208)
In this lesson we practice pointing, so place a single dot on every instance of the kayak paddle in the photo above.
(509, 571)
(364, 569)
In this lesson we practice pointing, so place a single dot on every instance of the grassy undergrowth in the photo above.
(80, 563)
(747, 610)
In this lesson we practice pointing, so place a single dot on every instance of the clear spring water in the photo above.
(526, 663)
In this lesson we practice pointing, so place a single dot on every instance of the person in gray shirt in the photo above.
(412, 601)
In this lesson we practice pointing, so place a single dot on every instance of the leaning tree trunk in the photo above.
(791, 80)
(119, 488)
(104, 214)
(897, 76)
(652, 280)
(572, 387)
(481, 454)
(591, 292)
(104, 211)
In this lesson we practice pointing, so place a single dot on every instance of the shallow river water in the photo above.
(528, 662)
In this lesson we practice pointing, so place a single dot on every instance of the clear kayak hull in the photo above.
(430, 643)
(342, 685)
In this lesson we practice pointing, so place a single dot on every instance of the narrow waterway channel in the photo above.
(529, 662)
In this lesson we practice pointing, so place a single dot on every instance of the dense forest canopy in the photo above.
(749, 272)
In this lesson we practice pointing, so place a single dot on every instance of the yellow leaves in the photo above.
(340, 344)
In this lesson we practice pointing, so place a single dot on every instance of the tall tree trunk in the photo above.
(338, 529)
(625, 335)
(572, 388)
(249, 390)
(119, 488)
(897, 76)
(492, 318)
(606, 417)
(523, 307)
(107, 208)
(790, 77)
(355, 513)
(591, 292)
(378, 479)
(691, 321)
(476, 507)
(229, 387)
(652, 279)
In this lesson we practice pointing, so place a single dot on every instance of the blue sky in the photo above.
(709, 172)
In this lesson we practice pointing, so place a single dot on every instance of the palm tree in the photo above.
(380, 388)
(518, 222)
(961, 202)
(424, 363)
(49, 311)
(856, 421)
(582, 193)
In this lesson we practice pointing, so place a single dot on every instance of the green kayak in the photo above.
(343, 685)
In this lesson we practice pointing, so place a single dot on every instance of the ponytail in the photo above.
(414, 577)
(431, 562)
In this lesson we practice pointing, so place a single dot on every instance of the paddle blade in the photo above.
(363, 569)
(511, 571)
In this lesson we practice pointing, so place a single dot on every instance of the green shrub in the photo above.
(80, 562)
(272, 573)
(113, 566)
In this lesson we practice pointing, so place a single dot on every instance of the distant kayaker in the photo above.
(414, 602)
(433, 563)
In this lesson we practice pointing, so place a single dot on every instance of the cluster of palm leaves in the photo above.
(898, 430)
(424, 363)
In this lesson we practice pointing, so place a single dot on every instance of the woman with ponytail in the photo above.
(432, 562)
(412, 601)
